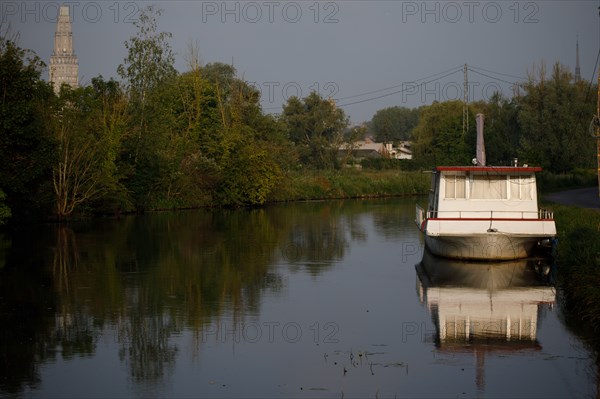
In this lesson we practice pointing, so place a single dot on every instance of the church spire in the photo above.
(64, 66)
(577, 69)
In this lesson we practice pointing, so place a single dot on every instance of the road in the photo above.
(581, 197)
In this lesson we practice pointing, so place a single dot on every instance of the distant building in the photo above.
(364, 149)
(402, 151)
(64, 66)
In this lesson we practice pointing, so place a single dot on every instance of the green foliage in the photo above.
(109, 119)
(438, 138)
(206, 143)
(389, 163)
(249, 177)
(501, 129)
(554, 117)
(316, 126)
(249, 171)
(549, 182)
(88, 126)
(149, 61)
(393, 124)
(547, 126)
(348, 183)
(148, 67)
(26, 147)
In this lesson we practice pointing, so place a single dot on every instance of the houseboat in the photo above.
(484, 212)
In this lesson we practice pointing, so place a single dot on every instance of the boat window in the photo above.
(455, 186)
(489, 187)
(521, 187)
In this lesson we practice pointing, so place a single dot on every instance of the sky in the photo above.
(367, 55)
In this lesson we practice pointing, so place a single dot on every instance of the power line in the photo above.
(443, 74)
(492, 77)
(398, 91)
(432, 78)
(498, 73)
(398, 85)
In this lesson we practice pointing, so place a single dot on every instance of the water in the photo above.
(324, 299)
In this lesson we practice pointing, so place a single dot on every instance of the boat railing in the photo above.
(545, 214)
(542, 214)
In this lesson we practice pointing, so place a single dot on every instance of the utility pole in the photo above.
(466, 102)
(577, 67)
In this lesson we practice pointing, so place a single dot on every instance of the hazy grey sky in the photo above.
(366, 54)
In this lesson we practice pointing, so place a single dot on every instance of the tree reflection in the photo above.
(388, 222)
(27, 304)
(150, 278)
(316, 239)
(145, 346)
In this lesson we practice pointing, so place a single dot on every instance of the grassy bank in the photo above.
(349, 183)
(579, 263)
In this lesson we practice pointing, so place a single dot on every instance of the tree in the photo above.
(179, 171)
(316, 126)
(207, 141)
(26, 146)
(554, 117)
(438, 138)
(88, 125)
(394, 124)
(149, 63)
(110, 119)
(146, 69)
(249, 169)
(502, 130)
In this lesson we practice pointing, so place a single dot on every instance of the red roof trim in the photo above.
(490, 169)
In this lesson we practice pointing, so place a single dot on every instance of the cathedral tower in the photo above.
(64, 67)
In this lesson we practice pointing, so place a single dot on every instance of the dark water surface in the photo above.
(325, 299)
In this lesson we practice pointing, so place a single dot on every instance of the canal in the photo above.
(321, 299)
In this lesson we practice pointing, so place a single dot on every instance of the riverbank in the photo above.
(578, 273)
(349, 183)
(578, 225)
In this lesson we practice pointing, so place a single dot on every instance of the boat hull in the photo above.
(487, 246)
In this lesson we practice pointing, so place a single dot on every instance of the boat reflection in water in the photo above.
(485, 308)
